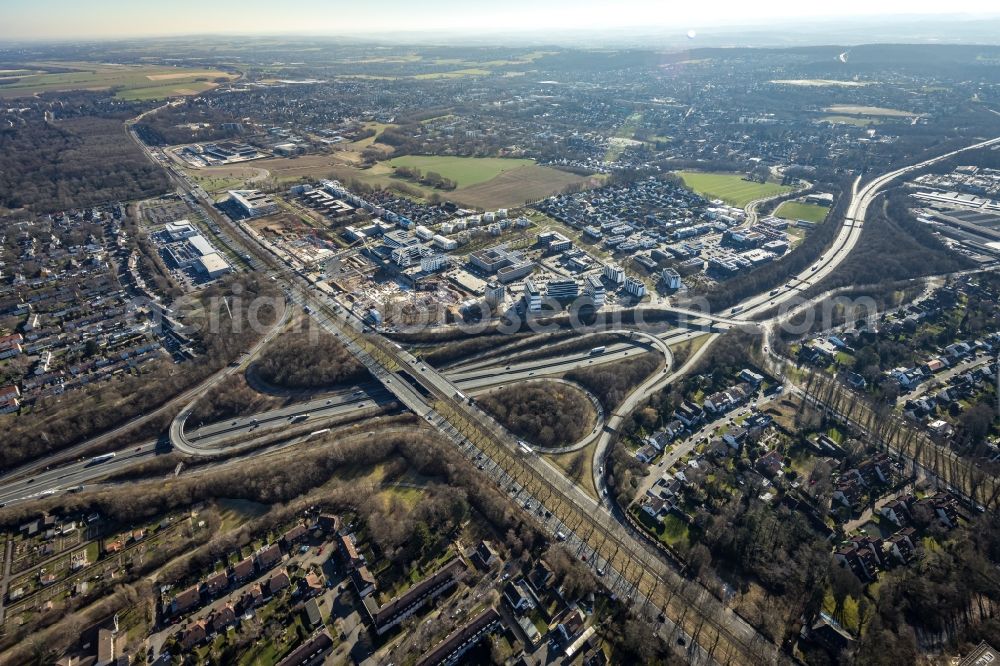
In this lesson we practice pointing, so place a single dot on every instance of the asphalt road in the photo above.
(66, 477)
(389, 366)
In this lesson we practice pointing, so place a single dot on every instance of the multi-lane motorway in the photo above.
(614, 550)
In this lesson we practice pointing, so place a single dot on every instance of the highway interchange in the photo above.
(563, 509)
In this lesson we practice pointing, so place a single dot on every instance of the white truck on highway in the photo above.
(597, 350)
(104, 457)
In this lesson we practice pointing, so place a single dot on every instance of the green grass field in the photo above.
(131, 81)
(730, 187)
(465, 171)
(797, 210)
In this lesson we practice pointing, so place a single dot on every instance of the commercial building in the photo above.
(635, 287)
(614, 273)
(554, 241)
(492, 259)
(594, 288)
(179, 230)
(433, 263)
(286, 149)
(495, 293)
(508, 274)
(671, 279)
(445, 243)
(200, 245)
(532, 296)
(253, 203)
(213, 265)
(563, 290)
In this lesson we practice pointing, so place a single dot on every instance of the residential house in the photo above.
(329, 522)
(855, 381)
(689, 413)
(278, 582)
(186, 599)
(519, 596)
(655, 507)
(384, 618)
(243, 570)
(312, 584)
(194, 634)
(350, 552)
(253, 597)
(944, 507)
(223, 617)
(647, 454)
(770, 463)
(268, 556)
(898, 511)
(313, 615)
(216, 583)
(455, 645)
(363, 580)
(902, 545)
(541, 577)
(735, 437)
(311, 652)
(861, 555)
(296, 533)
(848, 491)
(940, 430)
(723, 401)
(751, 377)
(485, 555)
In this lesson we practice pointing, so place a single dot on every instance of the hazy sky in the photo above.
(83, 19)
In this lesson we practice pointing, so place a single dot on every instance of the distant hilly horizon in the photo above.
(901, 29)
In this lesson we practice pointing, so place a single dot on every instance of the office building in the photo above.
(532, 296)
(614, 273)
(213, 265)
(595, 289)
(253, 203)
(563, 290)
(635, 287)
(179, 230)
(495, 293)
(671, 279)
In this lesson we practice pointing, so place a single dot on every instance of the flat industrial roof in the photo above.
(201, 245)
(213, 262)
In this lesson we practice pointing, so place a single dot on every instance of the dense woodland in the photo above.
(551, 415)
(949, 599)
(229, 398)
(74, 163)
(192, 120)
(308, 359)
(894, 245)
(612, 382)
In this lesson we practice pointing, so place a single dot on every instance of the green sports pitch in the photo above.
(797, 210)
(730, 187)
